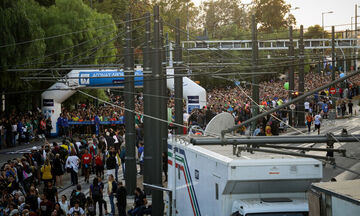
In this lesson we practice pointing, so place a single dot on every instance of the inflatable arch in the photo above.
(194, 95)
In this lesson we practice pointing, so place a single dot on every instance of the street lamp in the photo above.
(292, 9)
(322, 17)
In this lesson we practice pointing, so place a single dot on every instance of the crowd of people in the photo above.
(30, 184)
(25, 127)
(18, 128)
(237, 101)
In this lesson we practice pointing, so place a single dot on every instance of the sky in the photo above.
(310, 12)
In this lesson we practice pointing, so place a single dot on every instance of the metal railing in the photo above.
(267, 44)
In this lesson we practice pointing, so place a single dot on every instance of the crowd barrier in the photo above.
(93, 122)
(89, 127)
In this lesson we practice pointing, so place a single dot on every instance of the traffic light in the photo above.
(294, 94)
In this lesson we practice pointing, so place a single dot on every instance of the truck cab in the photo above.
(270, 207)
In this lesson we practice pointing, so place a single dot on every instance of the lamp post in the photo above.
(323, 28)
(322, 17)
(292, 9)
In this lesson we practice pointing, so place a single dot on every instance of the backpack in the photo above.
(63, 153)
(91, 209)
(96, 193)
(111, 162)
(123, 154)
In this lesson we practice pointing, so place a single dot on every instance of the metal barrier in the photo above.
(89, 127)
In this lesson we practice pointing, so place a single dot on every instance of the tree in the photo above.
(271, 14)
(315, 31)
(94, 38)
(20, 23)
(32, 36)
(220, 16)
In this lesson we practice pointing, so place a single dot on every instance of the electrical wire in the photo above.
(65, 34)
(95, 49)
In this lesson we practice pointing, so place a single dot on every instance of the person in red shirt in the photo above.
(86, 162)
(99, 166)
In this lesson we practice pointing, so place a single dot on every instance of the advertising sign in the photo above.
(107, 78)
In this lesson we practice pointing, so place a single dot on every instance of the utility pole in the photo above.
(254, 81)
(157, 196)
(148, 122)
(356, 36)
(291, 71)
(163, 94)
(301, 109)
(178, 85)
(130, 161)
(356, 20)
(333, 70)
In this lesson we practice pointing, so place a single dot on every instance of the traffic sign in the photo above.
(292, 106)
(332, 91)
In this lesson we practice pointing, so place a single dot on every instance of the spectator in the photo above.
(46, 171)
(99, 165)
(72, 163)
(139, 203)
(51, 192)
(86, 163)
(46, 206)
(79, 197)
(317, 121)
(309, 120)
(111, 162)
(96, 194)
(64, 204)
(58, 165)
(350, 106)
(76, 210)
(121, 199)
(111, 191)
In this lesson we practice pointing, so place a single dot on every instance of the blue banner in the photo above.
(93, 122)
(108, 78)
(191, 107)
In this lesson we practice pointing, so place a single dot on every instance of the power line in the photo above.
(95, 49)
(65, 34)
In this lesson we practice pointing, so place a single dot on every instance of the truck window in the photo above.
(280, 214)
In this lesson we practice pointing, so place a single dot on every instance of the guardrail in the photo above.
(268, 44)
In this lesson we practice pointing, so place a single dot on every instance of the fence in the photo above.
(89, 127)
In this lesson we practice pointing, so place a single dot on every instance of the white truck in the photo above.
(210, 180)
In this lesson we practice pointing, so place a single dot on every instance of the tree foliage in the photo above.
(272, 14)
(20, 22)
(51, 35)
(224, 19)
(315, 31)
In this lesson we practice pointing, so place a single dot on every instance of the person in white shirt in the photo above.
(76, 209)
(317, 122)
(72, 163)
(307, 106)
(64, 204)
